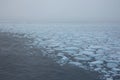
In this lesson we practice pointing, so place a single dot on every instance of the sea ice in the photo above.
(97, 46)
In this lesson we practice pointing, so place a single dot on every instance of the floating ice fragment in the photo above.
(116, 69)
(71, 48)
(96, 47)
(97, 69)
(63, 60)
(82, 58)
(112, 65)
(109, 79)
(100, 51)
(96, 62)
(60, 54)
(89, 53)
(76, 64)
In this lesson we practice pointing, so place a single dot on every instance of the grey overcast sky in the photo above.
(61, 10)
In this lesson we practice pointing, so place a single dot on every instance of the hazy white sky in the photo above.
(61, 10)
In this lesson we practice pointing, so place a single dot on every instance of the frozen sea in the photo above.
(90, 47)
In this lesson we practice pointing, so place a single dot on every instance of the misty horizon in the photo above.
(61, 11)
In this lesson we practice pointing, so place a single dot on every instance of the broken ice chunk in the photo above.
(76, 64)
(112, 65)
(63, 60)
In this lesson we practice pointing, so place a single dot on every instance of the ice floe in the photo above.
(89, 47)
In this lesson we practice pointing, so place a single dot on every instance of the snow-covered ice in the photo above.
(91, 47)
